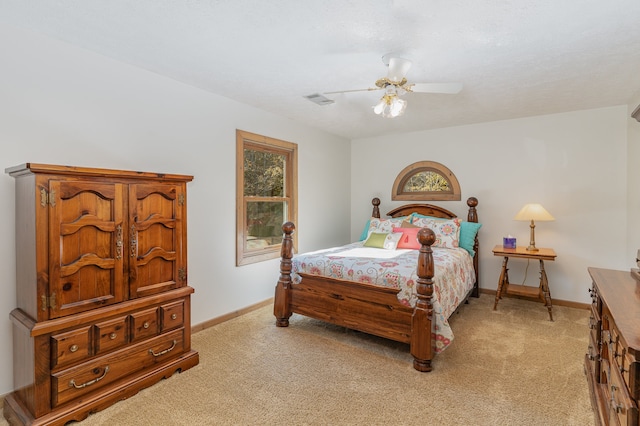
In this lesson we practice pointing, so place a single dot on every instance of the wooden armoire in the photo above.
(103, 303)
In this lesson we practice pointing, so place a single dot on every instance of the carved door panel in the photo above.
(157, 253)
(86, 255)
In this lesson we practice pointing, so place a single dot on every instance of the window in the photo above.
(266, 192)
(426, 181)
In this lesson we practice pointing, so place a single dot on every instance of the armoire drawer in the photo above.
(172, 315)
(111, 334)
(70, 346)
(94, 374)
(144, 324)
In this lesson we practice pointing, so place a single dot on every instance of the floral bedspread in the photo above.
(454, 277)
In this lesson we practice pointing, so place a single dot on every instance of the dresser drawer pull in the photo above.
(73, 348)
(591, 357)
(145, 325)
(174, 316)
(72, 383)
(175, 342)
(113, 336)
(619, 408)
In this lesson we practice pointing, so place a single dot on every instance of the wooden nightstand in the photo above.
(541, 292)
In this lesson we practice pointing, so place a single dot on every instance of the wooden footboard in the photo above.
(371, 309)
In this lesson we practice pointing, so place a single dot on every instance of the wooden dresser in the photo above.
(612, 362)
(103, 305)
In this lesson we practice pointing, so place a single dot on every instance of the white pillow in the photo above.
(391, 242)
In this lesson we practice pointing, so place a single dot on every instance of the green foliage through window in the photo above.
(263, 174)
(426, 181)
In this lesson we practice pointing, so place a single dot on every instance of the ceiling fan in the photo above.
(395, 85)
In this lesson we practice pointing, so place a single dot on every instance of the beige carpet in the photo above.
(506, 367)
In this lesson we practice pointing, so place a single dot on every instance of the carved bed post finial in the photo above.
(376, 208)
(421, 342)
(472, 216)
(282, 302)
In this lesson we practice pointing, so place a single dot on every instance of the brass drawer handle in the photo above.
(112, 336)
(145, 325)
(175, 342)
(72, 383)
(174, 316)
(73, 348)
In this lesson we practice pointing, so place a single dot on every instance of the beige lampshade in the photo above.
(534, 212)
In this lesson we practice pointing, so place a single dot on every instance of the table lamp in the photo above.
(533, 212)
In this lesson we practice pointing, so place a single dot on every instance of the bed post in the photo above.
(376, 209)
(421, 320)
(282, 303)
(472, 216)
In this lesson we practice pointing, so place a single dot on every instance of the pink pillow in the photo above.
(409, 238)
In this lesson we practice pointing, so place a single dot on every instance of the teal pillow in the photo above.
(468, 232)
(365, 231)
(376, 239)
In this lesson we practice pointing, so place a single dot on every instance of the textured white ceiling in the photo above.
(514, 58)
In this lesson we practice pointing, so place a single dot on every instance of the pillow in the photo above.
(417, 218)
(392, 240)
(409, 238)
(468, 232)
(365, 231)
(376, 239)
(447, 230)
(383, 240)
(384, 225)
(407, 224)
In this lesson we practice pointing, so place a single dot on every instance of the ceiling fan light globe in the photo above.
(397, 107)
(379, 107)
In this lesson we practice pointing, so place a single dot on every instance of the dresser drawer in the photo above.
(596, 303)
(626, 365)
(595, 326)
(71, 346)
(621, 406)
(172, 315)
(593, 357)
(110, 335)
(144, 324)
(97, 373)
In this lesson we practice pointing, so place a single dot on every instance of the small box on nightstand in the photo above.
(509, 243)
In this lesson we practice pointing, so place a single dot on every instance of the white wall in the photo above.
(63, 105)
(574, 164)
(633, 177)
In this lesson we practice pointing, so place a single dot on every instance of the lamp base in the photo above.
(532, 248)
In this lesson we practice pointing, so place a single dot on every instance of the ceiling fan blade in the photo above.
(398, 68)
(451, 88)
(353, 90)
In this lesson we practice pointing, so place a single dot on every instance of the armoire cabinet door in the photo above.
(86, 239)
(157, 253)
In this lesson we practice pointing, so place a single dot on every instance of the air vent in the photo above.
(319, 99)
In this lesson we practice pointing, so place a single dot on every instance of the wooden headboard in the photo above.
(427, 210)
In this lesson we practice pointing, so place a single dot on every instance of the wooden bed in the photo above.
(368, 308)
